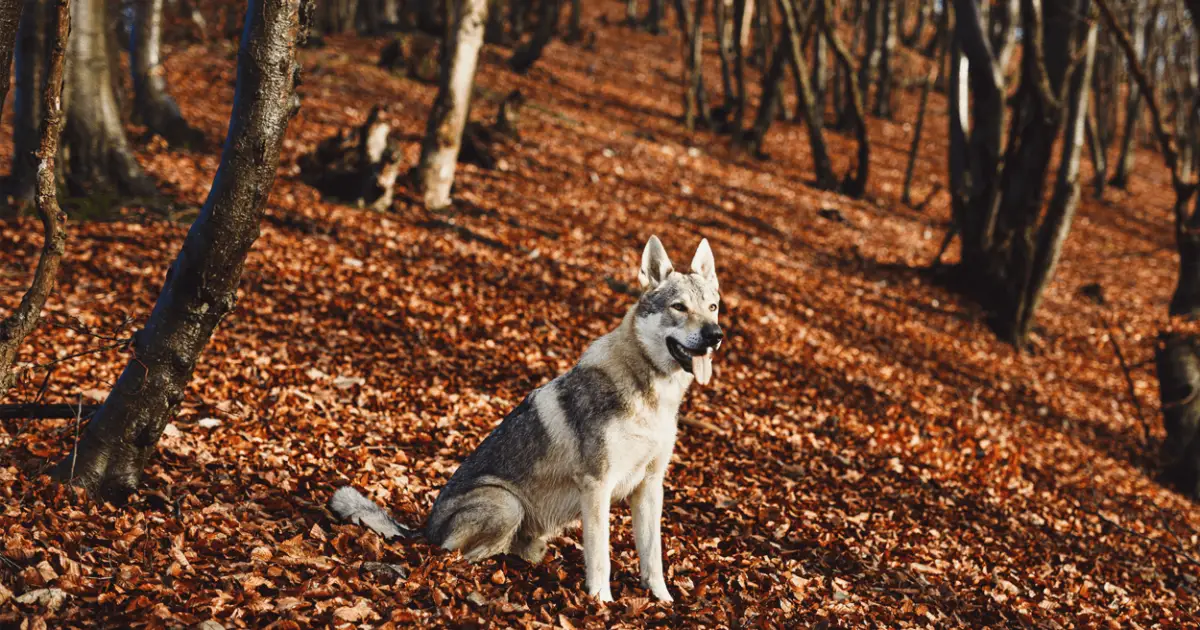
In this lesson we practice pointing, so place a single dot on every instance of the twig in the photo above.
(45, 412)
(75, 449)
(702, 424)
(121, 342)
(1137, 405)
(1175, 550)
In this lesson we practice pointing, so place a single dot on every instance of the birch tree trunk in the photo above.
(17, 326)
(443, 133)
(151, 99)
(201, 285)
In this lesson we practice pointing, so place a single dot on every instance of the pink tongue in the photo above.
(702, 368)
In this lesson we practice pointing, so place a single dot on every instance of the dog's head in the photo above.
(676, 316)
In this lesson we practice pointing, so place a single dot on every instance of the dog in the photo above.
(599, 433)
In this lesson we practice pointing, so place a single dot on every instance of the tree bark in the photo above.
(723, 10)
(97, 157)
(977, 123)
(695, 106)
(1060, 212)
(808, 106)
(10, 19)
(1126, 158)
(528, 54)
(873, 45)
(883, 85)
(201, 285)
(854, 186)
(443, 133)
(930, 80)
(31, 57)
(17, 326)
(1038, 118)
(151, 99)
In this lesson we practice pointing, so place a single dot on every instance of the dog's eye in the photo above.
(712, 307)
(680, 306)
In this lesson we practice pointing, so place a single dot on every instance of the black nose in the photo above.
(711, 333)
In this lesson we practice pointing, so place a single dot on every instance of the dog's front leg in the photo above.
(646, 505)
(595, 502)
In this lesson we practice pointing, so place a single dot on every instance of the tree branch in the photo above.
(17, 326)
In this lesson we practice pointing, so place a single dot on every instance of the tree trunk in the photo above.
(17, 326)
(808, 107)
(654, 17)
(857, 185)
(741, 19)
(695, 107)
(151, 99)
(930, 80)
(913, 39)
(1037, 121)
(10, 19)
(1060, 212)
(883, 86)
(1133, 103)
(872, 52)
(201, 285)
(96, 155)
(977, 123)
(724, 23)
(575, 22)
(443, 133)
(820, 78)
(528, 54)
(31, 61)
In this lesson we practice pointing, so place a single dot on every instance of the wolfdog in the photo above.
(599, 433)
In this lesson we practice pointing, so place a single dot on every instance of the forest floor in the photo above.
(867, 455)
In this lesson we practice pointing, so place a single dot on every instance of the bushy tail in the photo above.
(351, 506)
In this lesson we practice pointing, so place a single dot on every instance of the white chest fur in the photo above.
(640, 445)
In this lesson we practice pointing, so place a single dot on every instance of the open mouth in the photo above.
(697, 361)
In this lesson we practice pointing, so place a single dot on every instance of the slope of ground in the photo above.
(867, 453)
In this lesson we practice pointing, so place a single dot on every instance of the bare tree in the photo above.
(10, 18)
(443, 133)
(1140, 27)
(31, 60)
(201, 285)
(1010, 241)
(1177, 356)
(695, 102)
(17, 326)
(790, 51)
(854, 186)
(97, 153)
(530, 52)
(151, 98)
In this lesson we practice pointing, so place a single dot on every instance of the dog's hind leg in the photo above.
(529, 546)
(484, 523)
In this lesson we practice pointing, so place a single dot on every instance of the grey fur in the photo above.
(351, 506)
(599, 433)
(589, 398)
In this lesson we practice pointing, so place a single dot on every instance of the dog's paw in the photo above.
(602, 595)
(658, 589)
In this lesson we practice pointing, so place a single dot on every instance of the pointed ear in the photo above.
(655, 264)
(703, 263)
